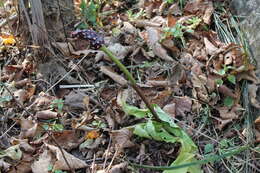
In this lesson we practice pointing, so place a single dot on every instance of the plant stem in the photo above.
(130, 78)
(200, 162)
(119, 64)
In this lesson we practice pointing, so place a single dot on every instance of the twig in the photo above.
(65, 75)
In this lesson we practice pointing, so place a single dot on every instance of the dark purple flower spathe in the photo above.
(96, 40)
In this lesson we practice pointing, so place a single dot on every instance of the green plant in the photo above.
(181, 2)
(193, 22)
(53, 126)
(57, 103)
(50, 169)
(90, 14)
(229, 101)
(134, 16)
(99, 124)
(224, 73)
(177, 32)
(167, 131)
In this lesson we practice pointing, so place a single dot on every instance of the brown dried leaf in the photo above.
(225, 113)
(227, 91)
(43, 100)
(21, 167)
(248, 75)
(252, 91)
(175, 9)
(28, 128)
(75, 100)
(67, 139)
(42, 164)
(257, 135)
(119, 168)
(200, 8)
(21, 96)
(146, 23)
(222, 123)
(208, 13)
(65, 48)
(4, 165)
(46, 114)
(210, 48)
(61, 164)
(170, 109)
(182, 105)
(257, 123)
(110, 72)
(121, 138)
(153, 42)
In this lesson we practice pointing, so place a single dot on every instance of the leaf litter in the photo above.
(179, 62)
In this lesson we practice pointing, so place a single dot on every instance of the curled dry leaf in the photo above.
(42, 164)
(257, 135)
(222, 123)
(199, 87)
(121, 138)
(4, 165)
(65, 48)
(153, 43)
(43, 100)
(119, 168)
(182, 105)
(210, 48)
(174, 9)
(203, 8)
(170, 109)
(28, 128)
(118, 50)
(110, 72)
(26, 147)
(248, 75)
(227, 91)
(21, 96)
(252, 91)
(129, 28)
(146, 23)
(225, 113)
(257, 123)
(61, 164)
(75, 100)
(46, 114)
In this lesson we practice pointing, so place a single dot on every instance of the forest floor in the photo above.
(76, 112)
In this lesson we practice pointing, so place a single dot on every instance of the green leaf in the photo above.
(141, 131)
(13, 152)
(229, 101)
(135, 111)
(50, 167)
(219, 82)
(224, 143)
(208, 148)
(57, 127)
(169, 132)
(89, 12)
(221, 72)
(231, 78)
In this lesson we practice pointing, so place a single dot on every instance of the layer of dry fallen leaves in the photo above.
(93, 138)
